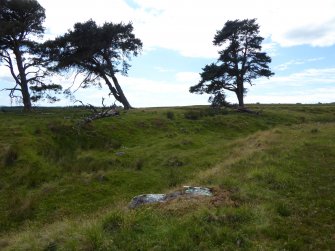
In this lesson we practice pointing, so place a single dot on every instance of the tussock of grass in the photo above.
(10, 155)
(68, 189)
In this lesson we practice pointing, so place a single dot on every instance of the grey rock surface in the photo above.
(187, 191)
(198, 191)
(145, 199)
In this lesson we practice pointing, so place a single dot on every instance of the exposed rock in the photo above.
(198, 191)
(120, 153)
(187, 191)
(145, 199)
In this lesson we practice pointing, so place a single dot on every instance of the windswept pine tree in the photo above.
(97, 52)
(20, 25)
(240, 61)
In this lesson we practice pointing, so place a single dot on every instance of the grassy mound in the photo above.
(67, 188)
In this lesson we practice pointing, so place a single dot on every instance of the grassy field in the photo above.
(65, 187)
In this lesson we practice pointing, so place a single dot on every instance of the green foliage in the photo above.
(241, 61)
(170, 115)
(68, 189)
(193, 115)
(16, 23)
(10, 155)
(283, 210)
(20, 24)
(113, 223)
(42, 91)
(218, 100)
(98, 52)
(108, 44)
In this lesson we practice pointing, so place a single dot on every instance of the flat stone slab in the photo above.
(204, 191)
(187, 191)
(146, 199)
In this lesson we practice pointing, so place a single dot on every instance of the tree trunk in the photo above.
(26, 97)
(23, 80)
(240, 96)
(240, 100)
(122, 97)
(117, 93)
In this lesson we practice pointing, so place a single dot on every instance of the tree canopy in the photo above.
(21, 22)
(97, 52)
(240, 61)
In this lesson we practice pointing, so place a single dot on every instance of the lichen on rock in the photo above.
(187, 191)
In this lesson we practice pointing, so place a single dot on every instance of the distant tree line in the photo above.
(98, 53)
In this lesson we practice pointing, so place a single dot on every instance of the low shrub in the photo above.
(10, 156)
(170, 115)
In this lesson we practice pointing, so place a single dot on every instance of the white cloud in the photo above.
(270, 48)
(189, 26)
(317, 33)
(310, 77)
(145, 93)
(5, 76)
(163, 69)
(307, 86)
(61, 15)
(188, 77)
(308, 97)
(287, 65)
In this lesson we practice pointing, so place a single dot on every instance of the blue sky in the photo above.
(177, 37)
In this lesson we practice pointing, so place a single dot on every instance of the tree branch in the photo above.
(88, 76)
(11, 89)
(104, 112)
(26, 66)
(11, 68)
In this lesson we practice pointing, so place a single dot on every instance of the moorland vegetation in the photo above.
(65, 187)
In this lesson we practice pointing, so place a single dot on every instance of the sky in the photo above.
(177, 35)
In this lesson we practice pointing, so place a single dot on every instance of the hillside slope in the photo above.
(67, 188)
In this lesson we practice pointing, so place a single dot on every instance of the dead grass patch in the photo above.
(185, 203)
